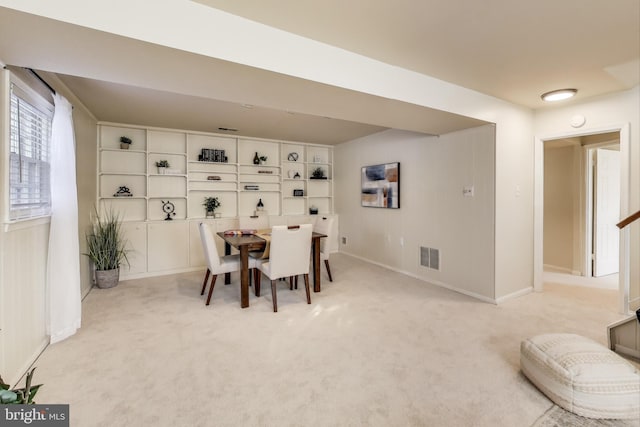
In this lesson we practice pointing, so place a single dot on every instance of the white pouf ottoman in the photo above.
(582, 376)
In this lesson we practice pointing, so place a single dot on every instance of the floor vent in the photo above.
(430, 257)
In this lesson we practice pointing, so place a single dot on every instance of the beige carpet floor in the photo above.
(375, 348)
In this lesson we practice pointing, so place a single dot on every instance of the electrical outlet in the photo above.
(344, 240)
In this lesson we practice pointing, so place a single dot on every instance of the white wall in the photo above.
(606, 111)
(561, 180)
(24, 248)
(433, 211)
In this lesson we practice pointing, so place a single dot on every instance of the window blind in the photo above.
(29, 158)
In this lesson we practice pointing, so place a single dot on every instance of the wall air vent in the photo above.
(430, 258)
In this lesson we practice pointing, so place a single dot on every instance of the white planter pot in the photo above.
(162, 171)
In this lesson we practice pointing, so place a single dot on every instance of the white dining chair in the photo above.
(216, 264)
(290, 249)
(257, 222)
(324, 226)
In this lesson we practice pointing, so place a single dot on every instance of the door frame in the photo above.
(538, 202)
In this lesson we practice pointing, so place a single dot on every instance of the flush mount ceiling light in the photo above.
(558, 95)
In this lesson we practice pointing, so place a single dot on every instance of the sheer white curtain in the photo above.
(63, 267)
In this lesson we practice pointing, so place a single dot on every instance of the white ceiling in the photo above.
(512, 49)
(509, 49)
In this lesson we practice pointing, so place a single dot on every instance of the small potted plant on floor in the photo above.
(125, 142)
(106, 248)
(211, 204)
(162, 166)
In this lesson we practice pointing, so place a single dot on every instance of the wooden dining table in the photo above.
(249, 242)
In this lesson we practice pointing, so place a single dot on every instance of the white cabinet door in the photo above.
(135, 234)
(168, 245)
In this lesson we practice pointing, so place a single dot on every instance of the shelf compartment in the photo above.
(322, 203)
(211, 168)
(249, 199)
(110, 137)
(294, 205)
(110, 184)
(176, 161)
(255, 178)
(166, 142)
(293, 184)
(262, 186)
(212, 185)
(196, 142)
(287, 149)
(122, 161)
(167, 186)
(253, 170)
(319, 188)
(202, 177)
(228, 203)
(247, 148)
(128, 208)
(155, 211)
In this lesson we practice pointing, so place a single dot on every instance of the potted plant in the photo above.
(19, 396)
(106, 248)
(211, 204)
(125, 142)
(318, 173)
(162, 166)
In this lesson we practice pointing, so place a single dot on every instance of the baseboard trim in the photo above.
(27, 365)
(557, 269)
(514, 295)
(124, 278)
(430, 281)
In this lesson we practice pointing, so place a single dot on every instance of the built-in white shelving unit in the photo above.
(202, 165)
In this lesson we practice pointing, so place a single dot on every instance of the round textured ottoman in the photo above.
(582, 376)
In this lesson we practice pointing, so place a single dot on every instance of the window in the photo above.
(29, 159)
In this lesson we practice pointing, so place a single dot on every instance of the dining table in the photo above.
(253, 242)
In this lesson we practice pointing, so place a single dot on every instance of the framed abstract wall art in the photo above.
(381, 186)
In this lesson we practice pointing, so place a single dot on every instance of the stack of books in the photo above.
(212, 155)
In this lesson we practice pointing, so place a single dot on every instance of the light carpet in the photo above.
(375, 348)
(558, 417)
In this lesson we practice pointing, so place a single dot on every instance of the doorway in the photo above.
(577, 264)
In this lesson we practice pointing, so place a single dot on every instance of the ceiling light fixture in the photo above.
(558, 95)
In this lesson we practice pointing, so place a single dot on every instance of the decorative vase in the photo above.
(256, 159)
(107, 278)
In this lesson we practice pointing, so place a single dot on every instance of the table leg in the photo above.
(227, 251)
(244, 276)
(316, 265)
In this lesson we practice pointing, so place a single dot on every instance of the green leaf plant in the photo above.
(19, 396)
(106, 245)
